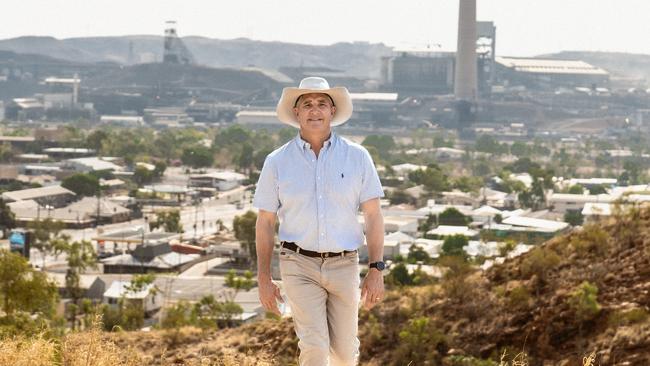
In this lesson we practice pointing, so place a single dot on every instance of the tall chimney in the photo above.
(466, 81)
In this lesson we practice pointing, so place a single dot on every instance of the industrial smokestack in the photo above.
(466, 81)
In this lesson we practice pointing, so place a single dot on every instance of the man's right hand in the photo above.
(269, 294)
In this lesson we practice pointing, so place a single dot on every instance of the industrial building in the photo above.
(418, 71)
(537, 73)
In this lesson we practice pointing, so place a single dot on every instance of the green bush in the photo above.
(583, 300)
(591, 239)
(519, 298)
(418, 341)
(539, 262)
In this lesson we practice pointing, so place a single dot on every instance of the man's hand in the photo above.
(269, 294)
(372, 289)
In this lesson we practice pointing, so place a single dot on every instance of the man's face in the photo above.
(314, 112)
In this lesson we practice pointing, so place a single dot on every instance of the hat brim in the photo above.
(339, 95)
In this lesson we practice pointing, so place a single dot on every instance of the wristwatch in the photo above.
(378, 265)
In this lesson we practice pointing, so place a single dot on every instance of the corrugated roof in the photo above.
(535, 223)
(544, 66)
(34, 193)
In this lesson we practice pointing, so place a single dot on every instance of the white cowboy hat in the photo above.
(340, 96)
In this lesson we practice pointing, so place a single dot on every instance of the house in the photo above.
(54, 196)
(564, 202)
(448, 230)
(223, 181)
(92, 164)
(149, 298)
(93, 286)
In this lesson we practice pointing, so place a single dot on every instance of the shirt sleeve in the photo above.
(266, 192)
(370, 184)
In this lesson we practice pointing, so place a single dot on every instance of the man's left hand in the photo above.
(372, 289)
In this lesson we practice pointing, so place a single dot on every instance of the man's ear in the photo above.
(333, 109)
(295, 112)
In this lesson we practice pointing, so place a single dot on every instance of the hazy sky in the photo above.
(524, 27)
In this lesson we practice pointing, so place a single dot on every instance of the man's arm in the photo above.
(264, 241)
(372, 290)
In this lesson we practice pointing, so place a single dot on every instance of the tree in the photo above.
(383, 143)
(82, 184)
(80, 256)
(417, 254)
(95, 140)
(574, 218)
(244, 227)
(170, 221)
(468, 184)
(451, 216)
(433, 179)
(24, 289)
(47, 237)
(399, 275)
(244, 159)
(232, 136)
(519, 149)
(197, 156)
(487, 143)
(142, 175)
(159, 170)
(210, 311)
(7, 218)
(597, 189)
(453, 245)
(523, 165)
(398, 197)
(576, 189)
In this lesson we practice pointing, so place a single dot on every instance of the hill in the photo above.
(357, 59)
(586, 291)
(617, 63)
(582, 293)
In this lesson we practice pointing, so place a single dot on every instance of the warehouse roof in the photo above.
(544, 66)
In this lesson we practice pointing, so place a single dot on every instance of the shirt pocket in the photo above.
(345, 186)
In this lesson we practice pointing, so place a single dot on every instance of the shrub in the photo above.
(453, 245)
(628, 317)
(418, 339)
(539, 262)
(583, 300)
(591, 239)
(519, 298)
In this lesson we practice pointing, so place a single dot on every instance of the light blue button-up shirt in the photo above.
(317, 198)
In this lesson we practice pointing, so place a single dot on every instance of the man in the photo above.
(315, 184)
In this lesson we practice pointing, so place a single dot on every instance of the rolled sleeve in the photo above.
(266, 191)
(370, 185)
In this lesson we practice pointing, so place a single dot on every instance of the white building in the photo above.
(564, 202)
(223, 181)
(149, 298)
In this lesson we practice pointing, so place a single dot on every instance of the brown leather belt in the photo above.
(293, 247)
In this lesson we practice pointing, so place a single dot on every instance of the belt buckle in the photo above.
(324, 255)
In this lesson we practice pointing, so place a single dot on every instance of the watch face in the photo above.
(381, 266)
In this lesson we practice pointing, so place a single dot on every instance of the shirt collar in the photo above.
(306, 145)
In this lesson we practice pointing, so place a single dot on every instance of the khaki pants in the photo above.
(324, 299)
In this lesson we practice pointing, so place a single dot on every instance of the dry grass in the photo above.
(27, 352)
(93, 348)
(589, 360)
(88, 348)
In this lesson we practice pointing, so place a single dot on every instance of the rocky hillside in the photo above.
(587, 291)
